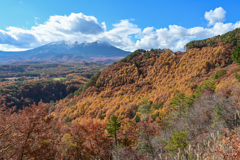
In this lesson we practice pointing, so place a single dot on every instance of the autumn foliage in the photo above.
(154, 104)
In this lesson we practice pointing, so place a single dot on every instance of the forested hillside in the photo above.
(25, 94)
(24, 85)
(155, 75)
(155, 104)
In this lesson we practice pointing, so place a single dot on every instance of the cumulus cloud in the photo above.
(5, 38)
(175, 37)
(124, 34)
(19, 39)
(10, 48)
(75, 23)
(54, 29)
(218, 15)
(121, 35)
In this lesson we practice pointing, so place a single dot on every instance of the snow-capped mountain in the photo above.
(61, 44)
(69, 44)
(66, 50)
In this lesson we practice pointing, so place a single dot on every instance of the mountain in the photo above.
(63, 51)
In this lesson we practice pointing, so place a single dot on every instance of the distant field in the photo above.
(58, 79)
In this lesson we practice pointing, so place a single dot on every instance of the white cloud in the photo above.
(104, 26)
(120, 35)
(175, 37)
(148, 30)
(124, 34)
(10, 48)
(218, 15)
(73, 27)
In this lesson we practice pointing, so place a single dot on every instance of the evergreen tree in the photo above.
(180, 102)
(236, 55)
(112, 127)
(137, 119)
(178, 141)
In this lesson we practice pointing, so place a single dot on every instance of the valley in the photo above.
(24, 85)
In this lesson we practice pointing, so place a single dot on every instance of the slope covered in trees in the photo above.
(156, 76)
(153, 104)
(25, 94)
(232, 37)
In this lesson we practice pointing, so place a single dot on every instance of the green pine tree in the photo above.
(180, 102)
(137, 119)
(112, 127)
(236, 55)
(177, 141)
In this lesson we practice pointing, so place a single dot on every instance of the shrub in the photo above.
(157, 106)
(237, 76)
(154, 116)
(71, 103)
(70, 95)
(68, 119)
(137, 89)
(208, 83)
(211, 42)
(217, 65)
(219, 74)
(237, 69)
(78, 92)
(144, 108)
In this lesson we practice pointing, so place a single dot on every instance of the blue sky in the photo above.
(129, 25)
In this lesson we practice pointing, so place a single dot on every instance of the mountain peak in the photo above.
(98, 42)
(67, 44)
(70, 44)
(102, 42)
